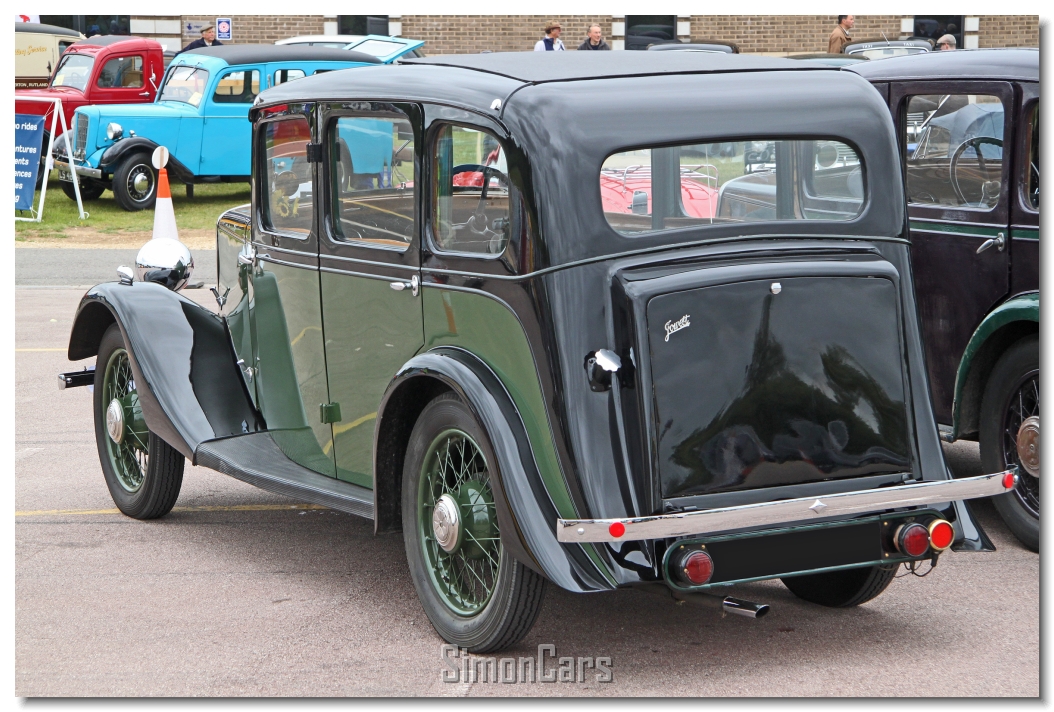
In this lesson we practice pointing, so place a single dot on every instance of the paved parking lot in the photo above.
(241, 592)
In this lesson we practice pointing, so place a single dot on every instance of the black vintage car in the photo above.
(968, 127)
(507, 305)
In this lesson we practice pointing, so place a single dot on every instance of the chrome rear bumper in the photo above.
(783, 512)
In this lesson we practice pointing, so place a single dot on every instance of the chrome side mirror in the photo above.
(166, 262)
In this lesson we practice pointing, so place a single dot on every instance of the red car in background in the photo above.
(628, 190)
(106, 69)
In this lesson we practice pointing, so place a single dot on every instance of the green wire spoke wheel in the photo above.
(142, 471)
(476, 595)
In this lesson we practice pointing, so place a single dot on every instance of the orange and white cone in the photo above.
(164, 213)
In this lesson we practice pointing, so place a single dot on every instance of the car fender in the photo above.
(522, 505)
(113, 155)
(181, 355)
(1011, 320)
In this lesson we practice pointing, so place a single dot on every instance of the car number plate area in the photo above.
(65, 176)
(805, 549)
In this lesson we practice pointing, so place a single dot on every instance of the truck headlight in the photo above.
(114, 131)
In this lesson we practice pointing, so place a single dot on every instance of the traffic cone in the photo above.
(164, 214)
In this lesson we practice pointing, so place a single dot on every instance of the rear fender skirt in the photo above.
(127, 146)
(523, 506)
(188, 382)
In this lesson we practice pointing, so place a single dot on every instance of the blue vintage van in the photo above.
(200, 114)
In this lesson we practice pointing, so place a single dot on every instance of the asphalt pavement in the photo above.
(239, 592)
(73, 267)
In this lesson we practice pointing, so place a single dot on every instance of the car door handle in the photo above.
(144, 93)
(999, 241)
(414, 285)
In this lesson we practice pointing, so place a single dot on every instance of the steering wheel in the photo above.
(975, 142)
(477, 222)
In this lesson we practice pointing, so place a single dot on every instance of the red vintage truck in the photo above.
(106, 69)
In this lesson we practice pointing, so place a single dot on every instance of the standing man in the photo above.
(551, 42)
(840, 37)
(594, 40)
(946, 42)
(208, 39)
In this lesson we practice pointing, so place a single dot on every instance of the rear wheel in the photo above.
(142, 471)
(135, 183)
(1010, 398)
(842, 589)
(475, 594)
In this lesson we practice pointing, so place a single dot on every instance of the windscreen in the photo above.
(74, 71)
(185, 84)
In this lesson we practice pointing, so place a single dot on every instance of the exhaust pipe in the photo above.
(739, 607)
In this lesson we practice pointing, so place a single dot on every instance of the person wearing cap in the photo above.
(207, 39)
(946, 42)
(551, 42)
(595, 39)
(840, 36)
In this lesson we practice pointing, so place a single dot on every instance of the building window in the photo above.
(643, 31)
(91, 25)
(933, 26)
(362, 24)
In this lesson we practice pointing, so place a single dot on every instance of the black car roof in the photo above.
(257, 53)
(45, 29)
(1009, 64)
(106, 40)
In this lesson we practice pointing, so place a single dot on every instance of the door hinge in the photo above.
(314, 153)
(329, 412)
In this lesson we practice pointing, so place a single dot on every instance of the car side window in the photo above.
(1032, 186)
(122, 72)
(471, 212)
(372, 180)
(289, 191)
(282, 76)
(954, 150)
(239, 87)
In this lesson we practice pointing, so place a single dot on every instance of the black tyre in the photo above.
(142, 471)
(842, 589)
(475, 594)
(42, 174)
(1010, 396)
(135, 183)
(90, 190)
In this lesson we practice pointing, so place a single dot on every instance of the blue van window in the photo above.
(372, 178)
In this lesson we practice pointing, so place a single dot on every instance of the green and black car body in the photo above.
(968, 126)
(429, 293)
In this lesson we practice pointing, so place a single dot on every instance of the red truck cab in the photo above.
(105, 69)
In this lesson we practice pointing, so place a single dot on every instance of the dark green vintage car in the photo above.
(501, 303)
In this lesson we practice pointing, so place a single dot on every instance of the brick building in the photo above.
(455, 34)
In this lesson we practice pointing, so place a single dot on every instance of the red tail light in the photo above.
(696, 568)
(912, 539)
(941, 534)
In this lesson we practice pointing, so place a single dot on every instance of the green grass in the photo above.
(198, 213)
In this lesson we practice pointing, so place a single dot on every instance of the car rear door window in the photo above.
(954, 145)
(239, 87)
(664, 188)
(372, 180)
(282, 76)
(289, 204)
(122, 72)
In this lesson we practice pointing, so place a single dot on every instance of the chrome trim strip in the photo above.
(578, 531)
(268, 258)
(286, 250)
(372, 263)
(379, 277)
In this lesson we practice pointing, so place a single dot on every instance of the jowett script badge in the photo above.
(674, 326)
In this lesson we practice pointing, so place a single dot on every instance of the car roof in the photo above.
(304, 39)
(535, 67)
(698, 46)
(46, 29)
(1009, 64)
(883, 42)
(262, 53)
(107, 41)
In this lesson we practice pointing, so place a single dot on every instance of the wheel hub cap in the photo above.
(140, 182)
(115, 421)
(446, 523)
(1028, 445)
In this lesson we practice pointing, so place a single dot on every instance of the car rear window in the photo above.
(664, 188)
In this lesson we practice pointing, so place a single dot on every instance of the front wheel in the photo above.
(135, 183)
(474, 593)
(1011, 397)
(90, 190)
(842, 589)
(142, 471)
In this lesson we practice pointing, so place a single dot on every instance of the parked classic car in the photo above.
(698, 46)
(106, 69)
(199, 115)
(968, 124)
(383, 47)
(883, 48)
(37, 51)
(429, 316)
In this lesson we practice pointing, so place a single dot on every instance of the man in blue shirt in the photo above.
(551, 42)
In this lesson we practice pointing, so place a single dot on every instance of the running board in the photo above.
(257, 460)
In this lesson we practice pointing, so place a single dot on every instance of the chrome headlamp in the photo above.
(114, 131)
(166, 262)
